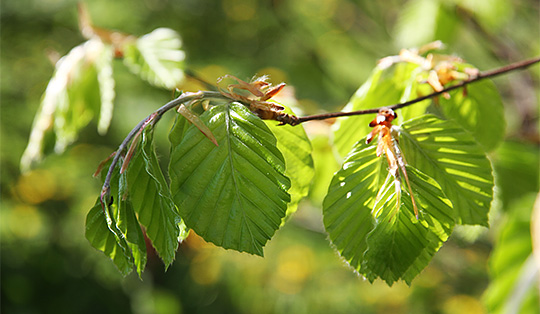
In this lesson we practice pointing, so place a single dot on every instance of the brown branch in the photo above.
(520, 65)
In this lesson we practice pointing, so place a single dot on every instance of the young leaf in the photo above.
(385, 87)
(129, 225)
(400, 246)
(105, 79)
(112, 244)
(157, 58)
(72, 98)
(373, 235)
(296, 149)
(479, 110)
(152, 201)
(450, 155)
(235, 194)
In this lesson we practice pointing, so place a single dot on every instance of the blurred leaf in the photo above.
(105, 78)
(514, 272)
(450, 155)
(157, 58)
(129, 225)
(296, 148)
(112, 244)
(515, 160)
(417, 23)
(493, 15)
(480, 111)
(385, 87)
(235, 194)
(325, 164)
(152, 200)
(72, 98)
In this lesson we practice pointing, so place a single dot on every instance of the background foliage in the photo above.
(325, 50)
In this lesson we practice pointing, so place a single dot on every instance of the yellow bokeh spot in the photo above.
(240, 10)
(36, 186)
(295, 265)
(23, 222)
(205, 268)
(463, 304)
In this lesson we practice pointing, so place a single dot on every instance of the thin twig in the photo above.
(152, 118)
(482, 75)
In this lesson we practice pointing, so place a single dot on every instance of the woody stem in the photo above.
(520, 65)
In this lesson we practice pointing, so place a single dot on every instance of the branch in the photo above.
(289, 119)
(520, 65)
(151, 119)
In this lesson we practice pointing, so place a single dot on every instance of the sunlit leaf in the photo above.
(385, 87)
(152, 201)
(479, 110)
(449, 154)
(72, 98)
(112, 244)
(400, 246)
(235, 194)
(157, 58)
(374, 236)
(106, 89)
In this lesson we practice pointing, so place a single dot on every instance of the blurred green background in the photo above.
(324, 49)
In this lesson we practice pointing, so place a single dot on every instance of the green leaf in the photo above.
(157, 58)
(373, 235)
(385, 87)
(479, 110)
(400, 246)
(129, 225)
(296, 148)
(178, 130)
(449, 154)
(112, 244)
(152, 201)
(235, 194)
(512, 267)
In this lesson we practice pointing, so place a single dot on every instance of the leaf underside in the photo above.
(382, 241)
(235, 194)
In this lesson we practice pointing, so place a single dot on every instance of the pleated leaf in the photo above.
(235, 194)
(449, 154)
(157, 58)
(400, 246)
(375, 237)
(107, 238)
(152, 200)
